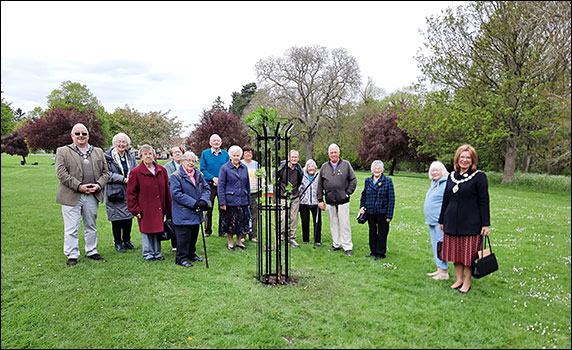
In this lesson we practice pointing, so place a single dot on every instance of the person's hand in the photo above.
(215, 181)
(125, 180)
(485, 230)
(138, 216)
(202, 205)
(223, 207)
(85, 189)
(441, 227)
(322, 206)
(388, 220)
(362, 210)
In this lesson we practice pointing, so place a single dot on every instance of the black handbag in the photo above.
(168, 231)
(361, 218)
(486, 261)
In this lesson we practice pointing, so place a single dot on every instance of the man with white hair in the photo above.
(83, 172)
(337, 182)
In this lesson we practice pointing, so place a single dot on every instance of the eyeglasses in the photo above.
(80, 133)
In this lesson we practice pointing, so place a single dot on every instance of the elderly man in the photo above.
(290, 173)
(176, 161)
(337, 182)
(82, 171)
(212, 160)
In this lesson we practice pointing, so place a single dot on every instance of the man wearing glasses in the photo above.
(82, 171)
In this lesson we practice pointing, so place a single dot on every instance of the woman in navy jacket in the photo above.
(234, 198)
(190, 194)
(377, 202)
(465, 215)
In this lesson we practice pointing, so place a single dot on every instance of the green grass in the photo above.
(338, 302)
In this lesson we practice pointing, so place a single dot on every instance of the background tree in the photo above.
(315, 82)
(506, 66)
(15, 144)
(155, 128)
(79, 96)
(7, 123)
(382, 139)
(53, 129)
(217, 121)
(242, 99)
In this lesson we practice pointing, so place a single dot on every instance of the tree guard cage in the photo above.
(272, 257)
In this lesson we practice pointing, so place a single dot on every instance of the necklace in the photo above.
(83, 155)
(457, 182)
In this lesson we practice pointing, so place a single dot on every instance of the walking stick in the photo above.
(315, 225)
(204, 243)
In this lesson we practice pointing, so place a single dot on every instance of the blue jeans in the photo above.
(437, 236)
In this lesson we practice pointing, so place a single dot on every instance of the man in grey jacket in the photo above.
(337, 182)
(83, 172)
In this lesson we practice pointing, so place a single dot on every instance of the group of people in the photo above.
(456, 205)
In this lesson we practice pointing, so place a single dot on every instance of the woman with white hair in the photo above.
(234, 198)
(309, 203)
(432, 208)
(120, 162)
(377, 202)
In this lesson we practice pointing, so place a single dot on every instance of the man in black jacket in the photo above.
(290, 173)
(337, 182)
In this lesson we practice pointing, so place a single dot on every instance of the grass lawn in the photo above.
(338, 302)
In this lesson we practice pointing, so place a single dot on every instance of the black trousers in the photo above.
(209, 216)
(186, 242)
(378, 231)
(305, 211)
(119, 226)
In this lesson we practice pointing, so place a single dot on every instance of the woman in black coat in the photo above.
(465, 215)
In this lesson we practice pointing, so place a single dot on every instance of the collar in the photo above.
(216, 152)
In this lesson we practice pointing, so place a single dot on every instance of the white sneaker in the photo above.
(173, 249)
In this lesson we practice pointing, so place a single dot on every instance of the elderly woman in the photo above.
(309, 203)
(234, 198)
(190, 193)
(377, 202)
(465, 215)
(432, 208)
(149, 199)
(120, 162)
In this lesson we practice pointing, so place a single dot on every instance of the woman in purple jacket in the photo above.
(234, 198)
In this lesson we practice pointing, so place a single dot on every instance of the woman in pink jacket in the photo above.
(149, 200)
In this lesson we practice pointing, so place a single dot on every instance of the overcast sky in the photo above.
(180, 56)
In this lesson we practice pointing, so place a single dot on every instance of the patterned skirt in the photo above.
(460, 249)
(235, 220)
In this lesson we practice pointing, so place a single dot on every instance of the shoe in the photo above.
(96, 257)
(149, 259)
(161, 258)
(460, 291)
(432, 273)
(305, 242)
(129, 246)
(185, 264)
(253, 240)
(369, 255)
(379, 257)
(71, 262)
(293, 243)
(441, 277)
(318, 244)
(197, 258)
(207, 234)
(459, 286)
(242, 240)
(173, 249)
(229, 247)
(349, 252)
(333, 249)
(120, 248)
(241, 247)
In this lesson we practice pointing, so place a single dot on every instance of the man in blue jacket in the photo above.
(211, 161)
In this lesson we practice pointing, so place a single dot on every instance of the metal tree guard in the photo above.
(272, 268)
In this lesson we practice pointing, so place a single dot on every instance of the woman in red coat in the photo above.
(149, 199)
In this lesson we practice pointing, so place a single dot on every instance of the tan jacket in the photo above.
(70, 172)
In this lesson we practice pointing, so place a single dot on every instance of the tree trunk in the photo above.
(527, 164)
(509, 163)
(392, 169)
(310, 148)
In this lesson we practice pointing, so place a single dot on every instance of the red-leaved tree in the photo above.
(382, 139)
(53, 129)
(14, 144)
(217, 121)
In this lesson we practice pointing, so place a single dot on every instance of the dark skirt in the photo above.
(460, 249)
(235, 220)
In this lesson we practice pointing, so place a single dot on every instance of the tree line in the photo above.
(496, 74)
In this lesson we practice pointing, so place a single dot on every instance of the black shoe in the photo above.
(460, 291)
(333, 249)
(96, 257)
(241, 247)
(197, 258)
(129, 246)
(378, 257)
(149, 259)
(71, 262)
(185, 264)
(369, 255)
(229, 247)
(349, 252)
(120, 248)
(161, 258)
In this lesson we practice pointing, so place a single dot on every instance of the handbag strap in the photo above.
(484, 242)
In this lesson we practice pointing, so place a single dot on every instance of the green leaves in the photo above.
(266, 118)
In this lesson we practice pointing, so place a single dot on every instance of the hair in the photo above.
(146, 147)
(310, 162)
(234, 149)
(189, 154)
(177, 146)
(293, 151)
(77, 125)
(377, 163)
(437, 165)
(472, 152)
(213, 136)
(247, 149)
(121, 134)
(333, 146)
